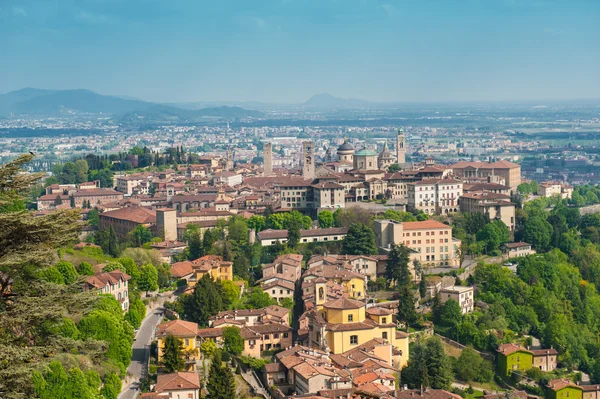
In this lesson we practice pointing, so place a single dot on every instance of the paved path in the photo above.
(141, 349)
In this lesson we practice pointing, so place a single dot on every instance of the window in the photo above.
(273, 292)
(384, 335)
(384, 320)
(350, 318)
(285, 335)
(186, 341)
(353, 339)
(275, 335)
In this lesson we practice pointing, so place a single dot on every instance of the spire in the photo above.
(385, 146)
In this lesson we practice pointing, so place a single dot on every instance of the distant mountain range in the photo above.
(30, 101)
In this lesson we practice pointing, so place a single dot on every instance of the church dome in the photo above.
(346, 147)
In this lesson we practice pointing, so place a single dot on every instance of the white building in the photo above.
(435, 197)
(463, 295)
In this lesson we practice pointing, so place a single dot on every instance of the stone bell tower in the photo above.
(308, 160)
(401, 147)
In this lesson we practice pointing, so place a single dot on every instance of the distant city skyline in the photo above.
(285, 51)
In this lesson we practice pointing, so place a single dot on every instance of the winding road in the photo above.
(141, 350)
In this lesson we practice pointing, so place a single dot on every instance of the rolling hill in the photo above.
(38, 102)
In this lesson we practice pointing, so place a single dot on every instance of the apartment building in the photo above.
(551, 189)
(464, 296)
(115, 283)
(431, 241)
(435, 197)
(495, 206)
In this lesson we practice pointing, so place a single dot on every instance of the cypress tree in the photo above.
(173, 354)
(221, 383)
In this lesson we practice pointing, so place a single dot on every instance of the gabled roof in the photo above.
(181, 269)
(177, 328)
(508, 349)
(177, 381)
(344, 303)
(101, 280)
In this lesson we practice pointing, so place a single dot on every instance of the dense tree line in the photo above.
(547, 298)
(46, 324)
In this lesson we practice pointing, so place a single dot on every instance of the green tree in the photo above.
(93, 217)
(173, 359)
(293, 237)
(52, 275)
(55, 382)
(131, 268)
(257, 299)
(230, 290)
(467, 365)
(451, 314)
(493, 235)
(148, 278)
(237, 229)
(194, 241)
(395, 167)
(111, 387)
(68, 271)
(397, 265)
(325, 219)
(538, 232)
(204, 302)
(257, 222)
(275, 221)
(71, 201)
(232, 340)
(429, 366)
(221, 383)
(407, 313)
(140, 235)
(241, 267)
(422, 287)
(85, 269)
(360, 240)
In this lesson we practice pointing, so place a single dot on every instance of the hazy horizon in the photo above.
(286, 51)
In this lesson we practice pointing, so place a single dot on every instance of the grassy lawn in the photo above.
(475, 394)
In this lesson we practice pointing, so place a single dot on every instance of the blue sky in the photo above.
(288, 50)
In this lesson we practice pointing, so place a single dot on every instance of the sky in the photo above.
(285, 51)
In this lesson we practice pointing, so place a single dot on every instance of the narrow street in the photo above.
(141, 350)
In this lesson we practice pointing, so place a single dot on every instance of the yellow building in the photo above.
(352, 283)
(213, 265)
(186, 332)
(344, 324)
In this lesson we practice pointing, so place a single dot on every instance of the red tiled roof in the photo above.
(135, 214)
(101, 280)
(177, 381)
(177, 328)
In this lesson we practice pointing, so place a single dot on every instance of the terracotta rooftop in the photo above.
(101, 280)
(178, 328)
(507, 349)
(177, 381)
(135, 214)
(344, 303)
